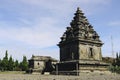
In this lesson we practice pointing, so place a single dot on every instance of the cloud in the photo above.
(61, 6)
(45, 33)
(67, 6)
(19, 52)
(35, 39)
(114, 23)
(107, 47)
(65, 1)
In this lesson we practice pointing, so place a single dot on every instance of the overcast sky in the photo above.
(35, 26)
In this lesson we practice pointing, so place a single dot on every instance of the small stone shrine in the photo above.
(41, 64)
(80, 48)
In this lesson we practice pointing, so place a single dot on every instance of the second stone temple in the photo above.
(80, 48)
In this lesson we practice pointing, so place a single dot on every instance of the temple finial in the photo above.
(78, 8)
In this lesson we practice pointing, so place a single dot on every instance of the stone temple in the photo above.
(41, 64)
(80, 48)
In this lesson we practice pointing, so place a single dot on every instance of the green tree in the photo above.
(0, 64)
(6, 55)
(118, 62)
(117, 59)
(10, 64)
(24, 64)
(16, 65)
(119, 55)
(4, 63)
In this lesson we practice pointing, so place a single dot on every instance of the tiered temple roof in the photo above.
(80, 29)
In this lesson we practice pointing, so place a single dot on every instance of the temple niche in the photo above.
(80, 48)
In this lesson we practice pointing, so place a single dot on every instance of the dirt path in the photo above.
(59, 77)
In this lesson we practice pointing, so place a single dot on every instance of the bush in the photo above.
(115, 69)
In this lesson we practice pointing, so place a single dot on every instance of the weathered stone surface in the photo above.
(79, 44)
(41, 64)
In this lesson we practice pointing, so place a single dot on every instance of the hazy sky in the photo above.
(35, 26)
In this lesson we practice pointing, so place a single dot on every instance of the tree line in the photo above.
(116, 64)
(117, 60)
(8, 64)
